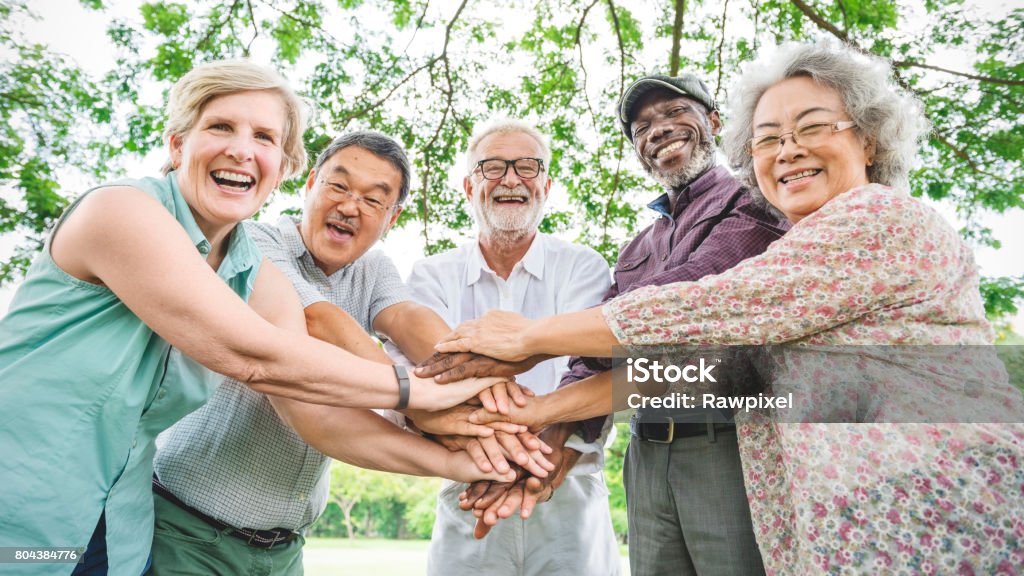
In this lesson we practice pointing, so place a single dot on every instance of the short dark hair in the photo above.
(377, 144)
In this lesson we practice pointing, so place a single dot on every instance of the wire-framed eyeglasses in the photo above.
(369, 205)
(807, 135)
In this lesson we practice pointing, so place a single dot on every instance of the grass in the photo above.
(379, 557)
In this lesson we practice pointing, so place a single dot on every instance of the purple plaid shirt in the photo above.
(715, 226)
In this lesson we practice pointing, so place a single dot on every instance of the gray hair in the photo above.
(377, 144)
(506, 126)
(883, 112)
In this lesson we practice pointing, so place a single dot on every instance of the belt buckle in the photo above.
(274, 541)
(670, 426)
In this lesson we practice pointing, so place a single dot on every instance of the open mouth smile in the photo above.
(340, 230)
(687, 137)
(797, 176)
(233, 181)
(510, 198)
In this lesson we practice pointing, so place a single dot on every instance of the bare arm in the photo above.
(414, 328)
(327, 322)
(509, 336)
(357, 436)
(126, 240)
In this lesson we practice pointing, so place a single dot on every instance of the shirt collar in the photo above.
(532, 261)
(183, 213)
(242, 254)
(708, 180)
(289, 227)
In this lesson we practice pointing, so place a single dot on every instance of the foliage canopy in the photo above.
(426, 72)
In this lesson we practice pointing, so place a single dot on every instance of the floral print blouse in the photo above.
(873, 266)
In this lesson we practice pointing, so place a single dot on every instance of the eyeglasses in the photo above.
(496, 168)
(368, 205)
(808, 135)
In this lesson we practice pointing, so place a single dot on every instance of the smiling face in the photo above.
(230, 161)
(334, 228)
(799, 180)
(511, 207)
(673, 136)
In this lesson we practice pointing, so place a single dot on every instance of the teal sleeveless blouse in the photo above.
(85, 387)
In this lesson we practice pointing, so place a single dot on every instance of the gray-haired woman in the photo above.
(823, 135)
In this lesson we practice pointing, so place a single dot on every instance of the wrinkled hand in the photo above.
(455, 421)
(425, 394)
(527, 413)
(493, 501)
(497, 397)
(462, 468)
(494, 452)
(446, 368)
(497, 334)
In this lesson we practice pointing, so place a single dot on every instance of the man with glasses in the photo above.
(512, 266)
(234, 485)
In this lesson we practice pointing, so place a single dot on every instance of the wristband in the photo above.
(403, 386)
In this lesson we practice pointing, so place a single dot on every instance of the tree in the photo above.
(427, 72)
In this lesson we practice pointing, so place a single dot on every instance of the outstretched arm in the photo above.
(124, 239)
(358, 436)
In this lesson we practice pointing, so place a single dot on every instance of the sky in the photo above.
(70, 29)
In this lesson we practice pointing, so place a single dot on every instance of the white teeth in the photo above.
(670, 148)
(233, 177)
(798, 175)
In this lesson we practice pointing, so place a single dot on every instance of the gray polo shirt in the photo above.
(234, 459)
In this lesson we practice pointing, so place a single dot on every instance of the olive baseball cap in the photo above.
(684, 84)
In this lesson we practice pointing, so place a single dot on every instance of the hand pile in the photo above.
(500, 432)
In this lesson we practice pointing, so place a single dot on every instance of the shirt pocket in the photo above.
(630, 269)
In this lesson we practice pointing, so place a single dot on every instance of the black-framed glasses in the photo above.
(807, 135)
(496, 168)
(369, 205)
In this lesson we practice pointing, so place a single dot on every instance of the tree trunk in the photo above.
(677, 37)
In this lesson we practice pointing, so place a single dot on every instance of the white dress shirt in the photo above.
(553, 277)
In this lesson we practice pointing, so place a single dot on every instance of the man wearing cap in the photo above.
(688, 512)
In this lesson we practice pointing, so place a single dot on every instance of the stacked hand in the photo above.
(493, 501)
(496, 428)
(493, 444)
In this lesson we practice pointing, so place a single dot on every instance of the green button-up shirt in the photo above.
(85, 387)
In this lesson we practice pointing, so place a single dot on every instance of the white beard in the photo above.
(703, 155)
(507, 224)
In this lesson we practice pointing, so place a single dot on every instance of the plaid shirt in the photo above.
(234, 459)
(715, 225)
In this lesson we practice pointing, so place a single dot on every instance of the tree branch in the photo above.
(979, 78)
(622, 48)
(216, 26)
(961, 154)
(721, 43)
(822, 23)
(255, 28)
(579, 46)
(677, 37)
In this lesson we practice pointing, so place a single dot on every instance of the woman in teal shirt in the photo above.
(142, 298)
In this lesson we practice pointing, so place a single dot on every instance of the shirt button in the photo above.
(664, 257)
(135, 443)
(162, 393)
(301, 495)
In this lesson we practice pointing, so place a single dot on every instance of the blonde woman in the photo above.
(146, 292)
